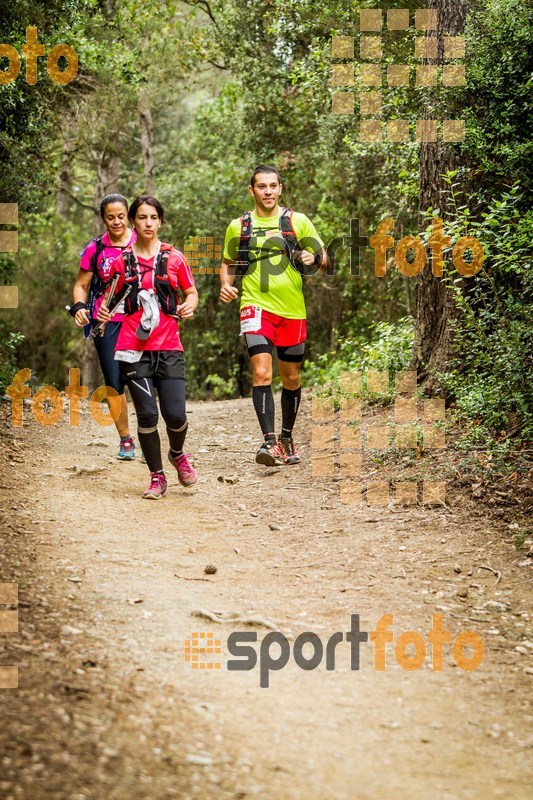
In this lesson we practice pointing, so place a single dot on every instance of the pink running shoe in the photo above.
(187, 475)
(157, 488)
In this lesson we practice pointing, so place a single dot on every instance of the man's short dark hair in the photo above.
(264, 168)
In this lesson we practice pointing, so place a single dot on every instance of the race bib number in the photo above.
(130, 356)
(250, 319)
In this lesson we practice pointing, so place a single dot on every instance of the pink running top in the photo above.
(166, 336)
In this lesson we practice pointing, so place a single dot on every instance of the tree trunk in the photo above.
(147, 140)
(435, 305)
(65, 176)
(108, 172)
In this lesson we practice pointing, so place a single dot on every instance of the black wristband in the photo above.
(73, 310)
(317, 261)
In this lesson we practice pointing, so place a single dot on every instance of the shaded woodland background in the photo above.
(184, 99)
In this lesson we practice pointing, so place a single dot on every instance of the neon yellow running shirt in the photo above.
(271, 282)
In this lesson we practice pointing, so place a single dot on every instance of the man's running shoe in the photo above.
(157, 488)
(187, 475)
(269, 454)
(127, 450)
(288, 450)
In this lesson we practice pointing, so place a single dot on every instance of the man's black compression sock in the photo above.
(290, 403)
(263, 400)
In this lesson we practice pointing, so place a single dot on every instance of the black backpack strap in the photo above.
(131, 279)
(97, 286)
(290, 239)
(165, 294)
(243, 257)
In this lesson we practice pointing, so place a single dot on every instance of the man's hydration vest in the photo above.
(289, 239)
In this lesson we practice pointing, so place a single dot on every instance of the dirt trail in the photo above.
(108, 707)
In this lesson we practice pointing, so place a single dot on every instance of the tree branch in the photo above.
(79, 202)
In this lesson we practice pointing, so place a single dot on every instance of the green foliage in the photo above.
(492, 374)
(9, 342)
(388, 349)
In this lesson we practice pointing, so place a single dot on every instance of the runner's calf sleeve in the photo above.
(151, 447)
(290, 403)
(263, 400)
(176, 438)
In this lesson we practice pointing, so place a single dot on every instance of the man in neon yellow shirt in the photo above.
(272, 247)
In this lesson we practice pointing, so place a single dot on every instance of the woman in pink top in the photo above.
(149, 348)
(95, 272)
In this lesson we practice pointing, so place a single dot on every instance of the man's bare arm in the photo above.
(228, 291)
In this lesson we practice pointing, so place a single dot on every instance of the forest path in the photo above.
(107, 706)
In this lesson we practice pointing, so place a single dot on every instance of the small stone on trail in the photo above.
(457, 569)
(132, 601)
(462, 592)
(210, 569)
(274, 527)
(231, 479)
(200, 761)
